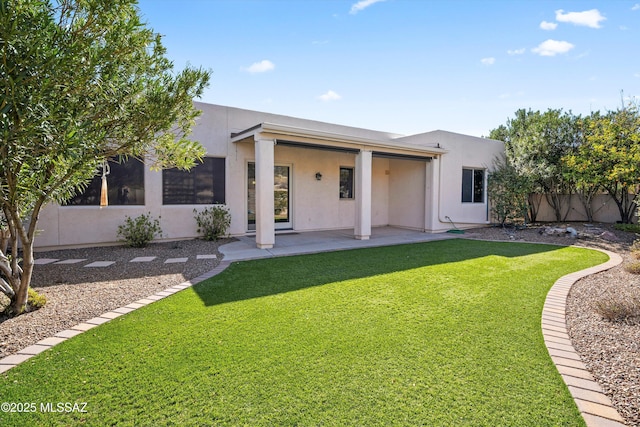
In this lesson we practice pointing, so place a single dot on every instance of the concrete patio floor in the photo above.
(295, 243)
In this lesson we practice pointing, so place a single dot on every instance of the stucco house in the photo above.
(278, 173)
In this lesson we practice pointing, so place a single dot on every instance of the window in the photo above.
(125, 182)
(346, 183)
(201, 185)
(473, 185)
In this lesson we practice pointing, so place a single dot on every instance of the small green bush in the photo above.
(631, 228)
(213, 222)
(139, 231)
(35, 300)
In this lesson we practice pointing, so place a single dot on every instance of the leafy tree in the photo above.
(580, 169)
(534, 198)
(610, 157)
(535, 144)
(81, 81)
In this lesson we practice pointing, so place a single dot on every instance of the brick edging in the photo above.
(45, 344)
(595, 407)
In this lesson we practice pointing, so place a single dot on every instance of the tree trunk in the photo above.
(554, 200)
(5, 235)
(586, 196)
(534, 206)
(17, 273)
(625, 207)
(22, 280)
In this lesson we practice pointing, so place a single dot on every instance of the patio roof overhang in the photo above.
(293, 136)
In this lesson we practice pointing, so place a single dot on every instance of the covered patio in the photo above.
(368, 158)
(293, 243)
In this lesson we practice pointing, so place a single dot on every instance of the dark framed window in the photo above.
(346, 183)
(201, 185)
(473, 185)
(125, 182)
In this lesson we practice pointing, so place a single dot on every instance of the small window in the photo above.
(203, 184)
(346, 183)
(473, 185)
(125, 182)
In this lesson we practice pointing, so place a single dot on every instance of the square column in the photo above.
(432, 196)
(265, 220)
(363, 195)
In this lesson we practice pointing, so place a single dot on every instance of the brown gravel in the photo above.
(611, 350)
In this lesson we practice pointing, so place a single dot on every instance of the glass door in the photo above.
(281, 202)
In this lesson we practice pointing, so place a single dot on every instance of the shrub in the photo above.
(631, 228)
(35, 300)
(213, 222)
(618, 307)
(508, 192)
(635, 249)
(633, 268)
(139, 231)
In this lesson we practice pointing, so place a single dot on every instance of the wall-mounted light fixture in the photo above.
(318, 176)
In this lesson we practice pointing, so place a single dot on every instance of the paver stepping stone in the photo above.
(143, 259)
(175, 260)
(71, 261)
(100, 264)
(210, 256)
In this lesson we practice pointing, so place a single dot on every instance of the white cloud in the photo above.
(329, 96)
(588, 18)
(362, 4)
(260, 67)
(636, 7)
(488, 61)
(637, 75)
(548, 25)
(516, 51)
(552, 47)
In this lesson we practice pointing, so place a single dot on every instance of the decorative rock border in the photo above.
(596, 408)
(45, 344)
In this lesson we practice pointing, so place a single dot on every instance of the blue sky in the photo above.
(407, 66)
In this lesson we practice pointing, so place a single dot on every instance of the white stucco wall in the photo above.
(407, 193)
(463, 151)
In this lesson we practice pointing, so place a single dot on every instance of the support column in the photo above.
(363, 195)
(265, 221)
(432, 196)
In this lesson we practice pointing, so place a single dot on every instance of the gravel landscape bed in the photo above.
(611, 350)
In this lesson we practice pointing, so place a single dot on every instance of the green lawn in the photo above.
(437, 334)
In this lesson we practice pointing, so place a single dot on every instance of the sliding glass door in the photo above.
(281, 196)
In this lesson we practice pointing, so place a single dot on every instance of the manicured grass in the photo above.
(439, 334)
